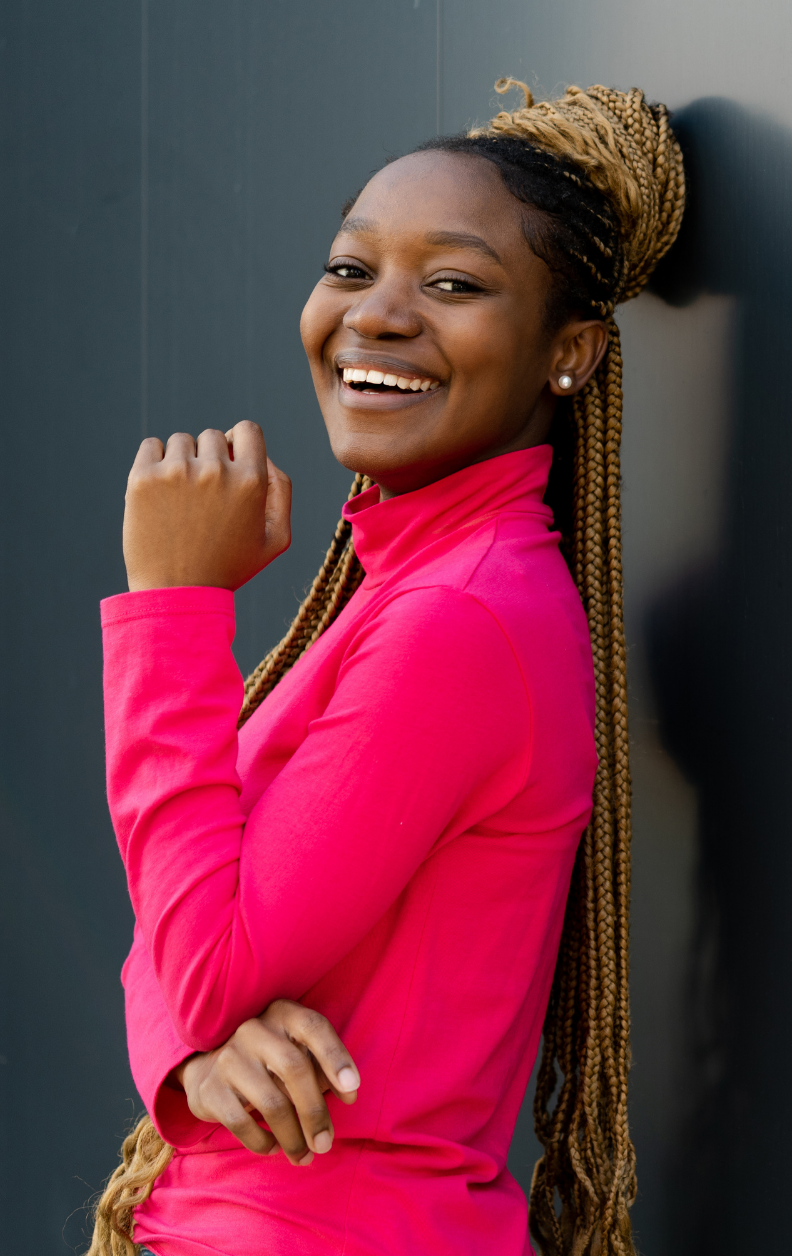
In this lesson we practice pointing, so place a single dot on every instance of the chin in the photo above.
(367, 455)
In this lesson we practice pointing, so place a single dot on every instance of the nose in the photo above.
(385, 310)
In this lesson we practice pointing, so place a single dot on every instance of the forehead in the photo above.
(437, 191)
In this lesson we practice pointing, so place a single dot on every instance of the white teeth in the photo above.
(353, 375)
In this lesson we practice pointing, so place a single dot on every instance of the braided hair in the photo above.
(600, 174)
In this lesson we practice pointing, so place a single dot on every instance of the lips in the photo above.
(379, 374)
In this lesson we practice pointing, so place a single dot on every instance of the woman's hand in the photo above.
(211, 512)
(278, 1065)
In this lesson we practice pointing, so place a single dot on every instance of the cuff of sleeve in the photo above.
(175, 1122)
(151, 603)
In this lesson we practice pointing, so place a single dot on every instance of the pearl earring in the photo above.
(565, 381)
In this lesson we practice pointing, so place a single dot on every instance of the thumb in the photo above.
(278, 509)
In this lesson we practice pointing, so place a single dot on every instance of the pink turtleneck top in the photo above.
(389, 839)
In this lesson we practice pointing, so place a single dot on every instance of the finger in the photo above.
(325, 1084)
(278, 1111)
(218, 1102)
(249, 444)
(302, 1108)
(316, 1033)
(180, 445)
(151, 450)
(212, 444)
(230, 441)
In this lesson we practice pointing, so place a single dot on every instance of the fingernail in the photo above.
(323, 1142)
(307, 1158)
(273, 1151)
(347, 1079)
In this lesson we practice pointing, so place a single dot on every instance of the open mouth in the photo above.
(380, 382)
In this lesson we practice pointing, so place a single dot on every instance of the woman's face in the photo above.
(432, 287)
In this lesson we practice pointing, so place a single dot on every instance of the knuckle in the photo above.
(251, 476)
(174, 470)
(235, 1121)
(275, 1106)
(279, 1006)
(246, 1031)
(203, 1097)
(210, 471)
(225, 1059)
(316, 1115)
(314, 1022)
(294, 1062)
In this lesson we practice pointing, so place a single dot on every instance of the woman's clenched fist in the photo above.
(207, 512)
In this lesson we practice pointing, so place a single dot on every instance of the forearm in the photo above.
(236, 912)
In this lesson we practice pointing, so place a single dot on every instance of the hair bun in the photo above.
(627, 150)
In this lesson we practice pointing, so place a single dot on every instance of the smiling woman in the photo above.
(366, 890)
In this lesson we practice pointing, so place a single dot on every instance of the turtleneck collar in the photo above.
(387, 534)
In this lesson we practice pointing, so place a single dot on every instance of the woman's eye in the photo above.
(455, 285)
(344, 271)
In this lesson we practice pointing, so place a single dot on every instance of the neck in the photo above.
(407, 479)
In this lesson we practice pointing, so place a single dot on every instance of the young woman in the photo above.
(366, 887)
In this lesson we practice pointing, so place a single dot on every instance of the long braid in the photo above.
(144, 1156)
(339, 576)
(601, 175)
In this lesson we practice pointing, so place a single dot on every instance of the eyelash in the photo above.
(336, 268)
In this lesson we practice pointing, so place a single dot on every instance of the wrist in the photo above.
(175, 1078)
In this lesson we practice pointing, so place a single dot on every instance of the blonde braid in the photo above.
(627, 150)
(339, 576)
(144, 1156)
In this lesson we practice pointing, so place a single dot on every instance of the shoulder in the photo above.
(443, 633)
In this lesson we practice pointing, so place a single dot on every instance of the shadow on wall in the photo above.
(720, 649)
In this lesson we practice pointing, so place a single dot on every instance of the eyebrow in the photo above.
(444, 239)
(463, 240)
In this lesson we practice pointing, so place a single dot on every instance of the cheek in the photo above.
(318, 321)
(489, 351)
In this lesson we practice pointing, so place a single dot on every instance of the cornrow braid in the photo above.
(601, 176)
(568, 222)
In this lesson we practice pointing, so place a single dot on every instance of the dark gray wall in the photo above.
(172, 174)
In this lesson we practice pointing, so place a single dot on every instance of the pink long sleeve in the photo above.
(236, 913)
(390, 838)
(155, 1049)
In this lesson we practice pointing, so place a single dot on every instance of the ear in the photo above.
(577, 352)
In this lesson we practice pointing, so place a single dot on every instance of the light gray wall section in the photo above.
(173, 173)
